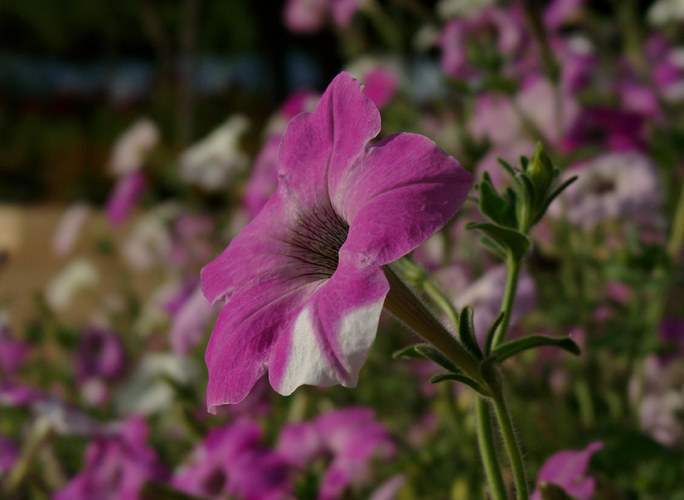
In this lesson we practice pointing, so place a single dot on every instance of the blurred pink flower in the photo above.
(125, 195)
(116, 466)
(303, 281)
(568, 469)
(13, 353)
(611, 186)
(9, 454)
(350, 437)
(189, 323)
(308, 16)
(232, 461)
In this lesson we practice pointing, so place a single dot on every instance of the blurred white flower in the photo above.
(78, 276)
(149, 390)
(132, 147)
(214, 161)
(665, 12)
(150, 239)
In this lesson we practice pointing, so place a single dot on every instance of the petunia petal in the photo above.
(330, 337)
(319, 147)
(397, 196)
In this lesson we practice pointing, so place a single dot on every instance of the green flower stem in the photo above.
(513, 271)
(42, 433)
(512, 445)
(487, 447)
(403, 303)
(674, 245)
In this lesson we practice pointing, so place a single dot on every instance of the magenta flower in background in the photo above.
(350, 437)
(126, 194)
(101, 354)
(116, 465)
(459, 33)
(303, 281)
(231, 460)
(568, 469)
(13, 353)
(9, 454)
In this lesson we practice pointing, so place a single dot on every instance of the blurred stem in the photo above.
(487, 448)
(42, 433)
(512, 445)
(512, 273)
(674, 245)
(385, 26)
(186, 87)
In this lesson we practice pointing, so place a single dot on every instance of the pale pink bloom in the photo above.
(69, 227)
(610, 186)
(189, 323)
(380, 79)
(389, 489)
(303, 282)
(308, 16)
(133, 146)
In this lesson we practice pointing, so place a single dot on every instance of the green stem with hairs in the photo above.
(403, 303)
(512, 273)
(487, 448)
(512, 445)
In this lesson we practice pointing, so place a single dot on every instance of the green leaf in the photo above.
(427, 351)
(510, 239)
(490, 333)
(494, 206)
(544, 206)
(507, 166)
(493, 247)
(456, 377)
(509, 349)
(466, 331)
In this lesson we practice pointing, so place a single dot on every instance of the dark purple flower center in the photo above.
(316, 241)
(214, 483)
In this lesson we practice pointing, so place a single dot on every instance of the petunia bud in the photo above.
(540, 171)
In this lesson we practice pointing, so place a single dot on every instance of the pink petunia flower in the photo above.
(232, 460)
(116, 465)
(308, 16)
(9, 454)
(349, 436)
(126, 194)
(303, 282)
(13, 353)
(568, 469)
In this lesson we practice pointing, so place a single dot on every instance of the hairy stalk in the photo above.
(513, 271)
(512, 445)
(403, 303)
(487, 448)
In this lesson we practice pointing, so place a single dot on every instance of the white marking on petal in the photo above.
(308, 364)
